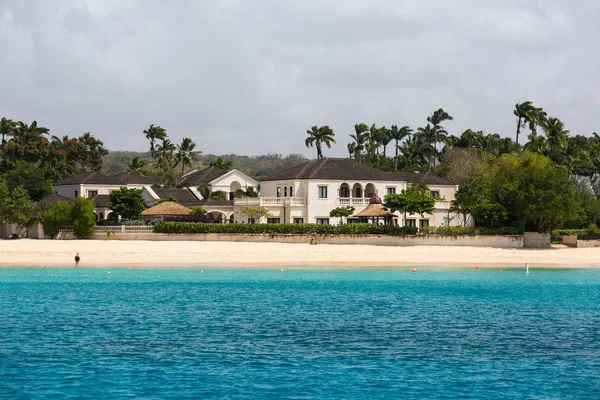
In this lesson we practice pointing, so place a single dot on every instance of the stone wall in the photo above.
(514, 241)
(535, 240)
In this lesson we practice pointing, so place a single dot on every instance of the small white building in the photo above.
(308, 192)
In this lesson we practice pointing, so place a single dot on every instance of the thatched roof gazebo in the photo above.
(167, 208)
(375, 212)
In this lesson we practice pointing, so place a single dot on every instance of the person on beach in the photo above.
(312, 241)
(77, 258)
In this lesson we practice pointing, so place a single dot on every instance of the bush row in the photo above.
(558, 234)
(274, 229)
(469, 230)
(348, 229)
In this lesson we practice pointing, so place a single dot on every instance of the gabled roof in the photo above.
(167, 208)
(427, 179)
(134, 179)
(90, 178)
(182, 195)
(55, 197)
(203, 177)
(333, 168)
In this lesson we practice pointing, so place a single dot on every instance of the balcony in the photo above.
(270, 201)
(352, 201)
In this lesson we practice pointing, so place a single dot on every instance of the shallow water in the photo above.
(232, 333)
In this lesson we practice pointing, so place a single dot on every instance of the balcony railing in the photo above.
(270, 201)
(352, 201)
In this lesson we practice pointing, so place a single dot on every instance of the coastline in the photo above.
(190, 254)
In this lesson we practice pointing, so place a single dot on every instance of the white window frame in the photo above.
(319, 187)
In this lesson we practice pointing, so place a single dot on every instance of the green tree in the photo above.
(317, 136)
(522, 112)
(154, 133)
(398, 135)
(83, 217)
(135, 165)
(197, 211)
(164, 157)
(359, 138)
(185, 154)
(31, 177)
(255, 213)
(19, 208)
(409, 201)
(7, 127)
(220, 163)
(341, 213)
(128, 203)
(22, 127)
(439, 133)
(56, 218)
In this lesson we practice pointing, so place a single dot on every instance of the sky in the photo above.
(250, 77)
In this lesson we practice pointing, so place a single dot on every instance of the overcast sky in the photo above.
(251, 76)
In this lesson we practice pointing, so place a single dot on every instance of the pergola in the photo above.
(375, 213)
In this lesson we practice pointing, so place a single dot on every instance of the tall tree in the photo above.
(7, 127)
(220, 163)
(521, 111)
(317, 136)
(439, 133)
(154, 133)
(557, 139)
(359, 137)
(135, 165)
(22, 127)
(126, 202)
(186, 155)
(535, 117)
(398, 135)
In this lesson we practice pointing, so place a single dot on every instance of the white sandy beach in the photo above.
(117, 253)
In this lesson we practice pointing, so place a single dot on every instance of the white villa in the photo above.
(97, 186)
(308, 192)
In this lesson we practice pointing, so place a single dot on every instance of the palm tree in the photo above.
(318, 136)
(535, 117)
(185, 154)
(351, 149)
(220, 163)
(154, 133)
(164, 157)
(556, 139)
(439, 133)
(22, 127)
(135, 165)
(385, 138)
(359, 137)
(7, 127)
(425, 136)
(398, 135)
(521, 111)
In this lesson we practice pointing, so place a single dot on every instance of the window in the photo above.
(411, 222)
(323, 221)
(251, 221)
(391, 190)
(344, 191)
(76, 193)
(92, 193)
(357, 192)
(423, 223)
(285, 191)
(435, 194)
(291, 191)
(279, 192)
(273, 220)
(298, 220)
(322, 192)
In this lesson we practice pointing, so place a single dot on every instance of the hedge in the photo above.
(276, 229)
(558, 234)
(469, 231)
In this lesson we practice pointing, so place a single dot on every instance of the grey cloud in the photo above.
(251, 77)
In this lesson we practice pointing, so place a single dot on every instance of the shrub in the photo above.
(278, 229)
(84, 219)
(55, 218)
(469, 231)
(558, 234)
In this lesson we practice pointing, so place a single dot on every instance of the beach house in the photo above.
(308, 192)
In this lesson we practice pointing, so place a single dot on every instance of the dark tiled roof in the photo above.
(203, 177)
(182, 195)
(55, 197)
(101, 200)
(134, 179)
(92, 178)
(333, 168)
(155, 179)
(427, 179)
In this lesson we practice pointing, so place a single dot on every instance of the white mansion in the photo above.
(302, 194)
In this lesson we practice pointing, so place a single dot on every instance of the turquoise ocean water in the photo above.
(232, 333)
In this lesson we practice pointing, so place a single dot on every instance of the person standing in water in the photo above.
(526, 268)
(77, 258)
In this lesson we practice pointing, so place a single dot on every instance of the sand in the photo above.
(140, 253)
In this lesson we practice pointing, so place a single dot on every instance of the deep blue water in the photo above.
(302, 334)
